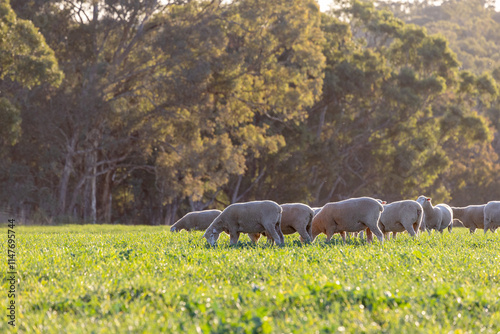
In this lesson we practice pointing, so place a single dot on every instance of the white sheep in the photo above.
(471, 216)
(491, 216)
(296, 217)
(195, 221)
(351, 215)
(436, 217)
(250, 217)
(400, 216)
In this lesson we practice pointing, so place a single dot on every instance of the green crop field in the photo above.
(139, 279)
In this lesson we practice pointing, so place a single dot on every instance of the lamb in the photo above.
(351, 215)
(399, 216)
(296, 217)
(249, 217)
(195, 221)
(491, 216)
(471, 216)
(436, 217)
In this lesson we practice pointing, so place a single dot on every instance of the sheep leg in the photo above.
(486, 225)
(415, 229)
(269, 239)
(342, 234)
(304, 235)
(369, 236)
(386, 235)
(233, 238)
(315, 231)
(450, 227)
(272, 234)
(472, 230)
(373, 226)
(410, 229)
(330, 231)
(280, 233)
(394, 234)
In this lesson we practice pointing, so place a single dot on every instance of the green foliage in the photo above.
(10, 130)
(24, 55)
(145, 279)
(252, 66)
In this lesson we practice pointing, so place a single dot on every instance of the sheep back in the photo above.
(471, 216)
(250, 217)
(400, 216)
(196, 220)
(295, 217)
(349, 215)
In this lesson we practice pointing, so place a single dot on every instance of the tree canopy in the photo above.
(160, 108)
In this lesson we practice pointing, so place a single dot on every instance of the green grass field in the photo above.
(138, 279)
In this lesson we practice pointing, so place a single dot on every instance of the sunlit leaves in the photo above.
(24, 55)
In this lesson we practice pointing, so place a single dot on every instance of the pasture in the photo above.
(142, 279)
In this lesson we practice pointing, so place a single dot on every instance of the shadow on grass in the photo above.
(320, 242)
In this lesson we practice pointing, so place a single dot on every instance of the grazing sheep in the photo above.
(195, 221)
(436, 217)
(351, 215)
(492, 216)
(471, 216)
(400, 216)
(296, 217)
(250, 217)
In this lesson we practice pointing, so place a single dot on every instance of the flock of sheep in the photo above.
(355, 215)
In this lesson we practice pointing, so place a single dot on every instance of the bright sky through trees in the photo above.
(325, 4)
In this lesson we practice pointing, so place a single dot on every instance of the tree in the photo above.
(25, 61)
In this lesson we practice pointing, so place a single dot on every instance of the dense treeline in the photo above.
(139, 111)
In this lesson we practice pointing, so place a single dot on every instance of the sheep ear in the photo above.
(384, 202)
(428, 199)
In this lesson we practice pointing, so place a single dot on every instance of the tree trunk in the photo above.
(86, 201)
(93, 185)
(107, 198)
(171, 211)
(321, 122)
(68, 167)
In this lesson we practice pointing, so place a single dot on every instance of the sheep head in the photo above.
(212, 235)
(423, 200)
